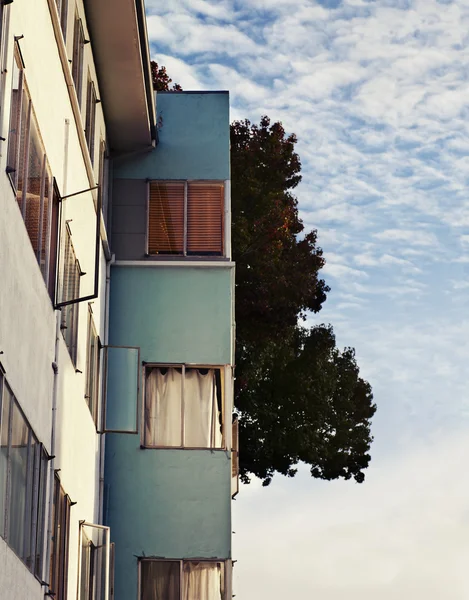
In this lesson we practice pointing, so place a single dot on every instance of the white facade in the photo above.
(35, 361)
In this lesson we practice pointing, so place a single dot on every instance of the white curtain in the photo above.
(203, 581)
(201, 417)
(163, 407)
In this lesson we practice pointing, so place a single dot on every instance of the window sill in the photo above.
(154, 262)
(143, 447)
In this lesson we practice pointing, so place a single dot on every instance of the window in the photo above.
(62, 8)
(77, 59)
(59, 543)
(183, 407)
(70, 291)
(95, 562)
(92, 368)
(234, 457)
(103, 180)
(185, 218)
(31, 177)
(182, 580)
(23, 480)
(90, 118)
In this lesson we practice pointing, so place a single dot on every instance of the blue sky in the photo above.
(378, 95)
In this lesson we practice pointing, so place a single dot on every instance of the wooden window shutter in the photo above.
(166, 218)
(205, 203)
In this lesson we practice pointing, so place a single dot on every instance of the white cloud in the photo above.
(402, 534)
(412, 237)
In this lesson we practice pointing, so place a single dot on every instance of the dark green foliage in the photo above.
(298, 397)
(161, 79)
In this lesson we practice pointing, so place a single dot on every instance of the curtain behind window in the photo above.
(201, 421)
(163, 407)
(160, 580)
(203, 581)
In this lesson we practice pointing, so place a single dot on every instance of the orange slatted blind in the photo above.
(205, 218)
(166, 218)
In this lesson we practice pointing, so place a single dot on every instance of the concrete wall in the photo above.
(165, 503)
(175, 314)
(194, 139)
(27, 317)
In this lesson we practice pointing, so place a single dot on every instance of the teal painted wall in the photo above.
(167, 503)
(194, 139)
(164, 503)
(178, 314)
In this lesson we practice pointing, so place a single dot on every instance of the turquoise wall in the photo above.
(165, 503)
(194, 139)
(178, 314)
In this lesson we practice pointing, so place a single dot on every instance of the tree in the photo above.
(299, 398)
(161, 79)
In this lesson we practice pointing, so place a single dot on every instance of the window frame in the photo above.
(62, 9)
(222, 375)
(222, 561)
(60, 527)
(43, 233)
(94, 593)
(92, 374)
(104, 428)
(78, 56)
(71, 340)
(90, 118)
(186, 253)
(32, 551)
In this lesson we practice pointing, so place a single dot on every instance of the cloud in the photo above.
(402, 534)
(412, 237)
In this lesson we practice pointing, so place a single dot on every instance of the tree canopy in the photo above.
(161, 79)
(298, 397)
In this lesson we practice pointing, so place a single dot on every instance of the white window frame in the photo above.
(107, 572)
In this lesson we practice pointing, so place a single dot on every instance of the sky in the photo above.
(377, 93)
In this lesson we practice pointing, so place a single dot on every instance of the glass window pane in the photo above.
(33, 211)
(15, 119)
(94, 573)
(160, 580)
(46, 224)
(31, 502)
(166, 218)
(25, 113)
(122, 381)
(18, 481)
(163, 407)
(205, 218)
(203, 581)
(5, 421)
(41, 513)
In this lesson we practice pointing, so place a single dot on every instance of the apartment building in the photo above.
(171, 314)
(94, 331)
